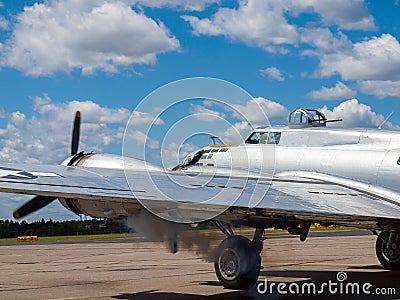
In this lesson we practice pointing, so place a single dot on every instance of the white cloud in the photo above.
(346, 14)
(188, 5)
(374, 59)
(339, 92)
(254, 22)
(46, 136)
(173, 153)
(323, 41)
(92, 112)
(237, 132)
(139, 117)
(354, 114)
(272, 73)
(60, 36)
(265, 23)
(204, 114)
(260, 109)
(141, 139)
(4, 24)
(380, 88)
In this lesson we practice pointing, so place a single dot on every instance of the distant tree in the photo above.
(10, 228)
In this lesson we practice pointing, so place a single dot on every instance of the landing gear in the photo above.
(388, 250)
(237, 261)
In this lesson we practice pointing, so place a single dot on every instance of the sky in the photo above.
(105, 57)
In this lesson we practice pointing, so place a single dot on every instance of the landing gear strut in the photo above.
(388, 250)
(237, 261)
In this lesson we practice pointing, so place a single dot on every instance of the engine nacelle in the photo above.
(109, 161)
(104, 209)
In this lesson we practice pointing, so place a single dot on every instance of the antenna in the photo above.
(387, 118)
(214, 138)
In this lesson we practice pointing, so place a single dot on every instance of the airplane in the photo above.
(286, 177)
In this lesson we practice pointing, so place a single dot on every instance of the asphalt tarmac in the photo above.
(138, 269)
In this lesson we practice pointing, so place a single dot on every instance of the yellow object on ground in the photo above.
(27, 238)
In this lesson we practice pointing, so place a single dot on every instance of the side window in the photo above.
(253, 139)
(274, 138)
(263, 137)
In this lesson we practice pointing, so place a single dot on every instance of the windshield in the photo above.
(264, 138)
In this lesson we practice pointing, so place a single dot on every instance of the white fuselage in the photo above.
(368, 156)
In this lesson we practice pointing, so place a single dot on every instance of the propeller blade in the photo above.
(39, 202)
(75, 133)
(32, 205)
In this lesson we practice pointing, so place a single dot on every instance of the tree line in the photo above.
(11, 229)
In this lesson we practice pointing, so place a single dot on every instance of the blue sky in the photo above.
(103, 57)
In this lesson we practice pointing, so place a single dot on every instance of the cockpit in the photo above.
(264, 138)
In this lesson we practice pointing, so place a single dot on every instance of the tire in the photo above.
(389, 259)
(237, 263)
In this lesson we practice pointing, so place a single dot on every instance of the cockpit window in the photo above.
(257, 138)
(264, 138)
(274, 137)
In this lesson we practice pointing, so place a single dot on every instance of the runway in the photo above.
(136, 269)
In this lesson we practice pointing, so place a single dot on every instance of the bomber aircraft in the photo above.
(280, 177)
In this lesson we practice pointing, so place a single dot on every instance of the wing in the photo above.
(245, 199)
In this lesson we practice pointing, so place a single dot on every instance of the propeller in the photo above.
(39, 202)
(32, 205)
(75, 133)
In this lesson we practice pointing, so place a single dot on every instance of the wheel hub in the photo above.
(391, 251)
(229, 264)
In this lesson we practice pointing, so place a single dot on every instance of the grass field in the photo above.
(99, 237)
(55, 239)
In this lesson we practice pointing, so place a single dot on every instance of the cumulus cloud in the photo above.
(338, 92)
(347, 15)
(256, 23)
(140, 117)
(174, 153)
(46, 136)
(375, 59)
(380, 88)
(322, 41)
(272, 73)
(237, 132)
(188, 5)
(4, 24)
(141, 139)
(260, 110)
(60, 36)
(93, 112)
(202, 113)
(265, 23)
(355, 114)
